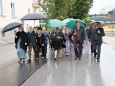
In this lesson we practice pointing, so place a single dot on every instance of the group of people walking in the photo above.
(60, 40)
(36, 40)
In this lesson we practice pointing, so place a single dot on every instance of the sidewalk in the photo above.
(110, 41)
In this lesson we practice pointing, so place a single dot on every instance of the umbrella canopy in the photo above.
(33, 16)
(65, 21)
(55, 23)
(11, 26)
(72, 23)
(101, 23)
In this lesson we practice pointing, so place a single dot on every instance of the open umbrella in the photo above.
(11, 26)
(55, 23)
(33, 16)
(72, 23)
(65, 21)
(101, 23)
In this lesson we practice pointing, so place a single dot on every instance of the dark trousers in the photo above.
(45, 47)
(91, 48)
(97, 50)
(78, 50)
(30, 46)
(39, 47)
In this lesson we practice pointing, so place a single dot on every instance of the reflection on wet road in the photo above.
(70, 72)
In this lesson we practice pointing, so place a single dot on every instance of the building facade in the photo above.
(13, 10)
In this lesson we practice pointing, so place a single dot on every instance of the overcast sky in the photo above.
(102, 6)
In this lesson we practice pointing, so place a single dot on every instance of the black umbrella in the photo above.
(33, 16)
(11, 26)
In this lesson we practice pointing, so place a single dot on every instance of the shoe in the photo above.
(19, 60)
(98, 60)
(55, 59)
(79, 58)
(75, 58)
(23, 60)
(29, 60)
(37, 58)
(67, 54)
(42, 57)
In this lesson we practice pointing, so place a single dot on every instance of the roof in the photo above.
(100, 18)
(111, 21)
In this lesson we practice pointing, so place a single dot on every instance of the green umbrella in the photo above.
(55, 23)
(72, 23)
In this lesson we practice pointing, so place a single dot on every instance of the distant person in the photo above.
(88, 32)
(31, 42)
(40, 42)
(47, 39)
(79, 38)
(21, 44)
(66, 33)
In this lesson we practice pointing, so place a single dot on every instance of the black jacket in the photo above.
(82, 34)
(40, 39)
(23, 36)
(95, 37)
(99, 35)
(31, 38)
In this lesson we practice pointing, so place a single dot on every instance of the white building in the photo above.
(13, 10)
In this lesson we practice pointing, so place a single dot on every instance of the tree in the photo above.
(57, 8)
(81, 8)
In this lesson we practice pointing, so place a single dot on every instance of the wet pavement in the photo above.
(15, 74)
(64, 72)
(7, 54)
(70, 72)
(12, 73)
(110, 41)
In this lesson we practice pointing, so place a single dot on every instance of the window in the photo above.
(12, 9)
(1, 8)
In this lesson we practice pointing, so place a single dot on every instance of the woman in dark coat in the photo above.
(58, 39)
(21, 44)
(40, 41)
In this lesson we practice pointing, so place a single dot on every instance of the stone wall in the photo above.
(8, 38)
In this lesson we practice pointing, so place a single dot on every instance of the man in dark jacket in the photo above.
(97, 40)
(31, 42)
(40, 41)
(78, 40)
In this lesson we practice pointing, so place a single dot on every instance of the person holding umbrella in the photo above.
(21, 44)
(78, 40)
(31, 42)
(97, 40)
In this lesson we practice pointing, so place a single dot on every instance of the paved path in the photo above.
(65, 72)
(68, 72)
(110, 41)
(7, 54)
